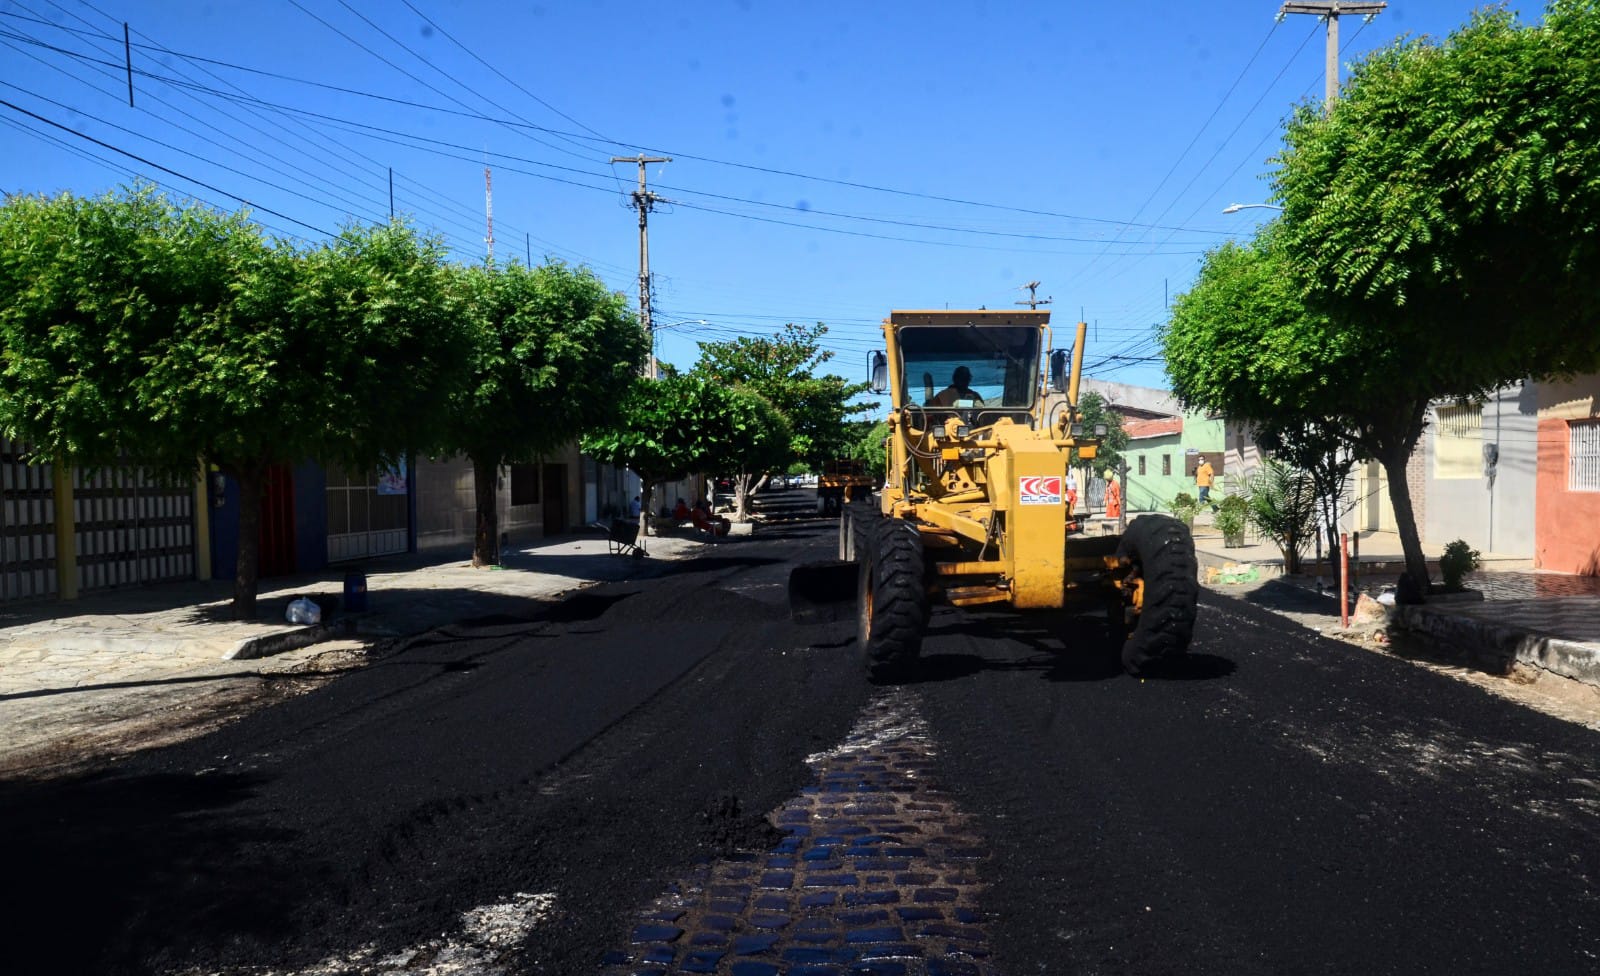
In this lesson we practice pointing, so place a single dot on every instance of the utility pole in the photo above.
(488, 209)
(1329, 11)
(1033, 300)
(644, 201)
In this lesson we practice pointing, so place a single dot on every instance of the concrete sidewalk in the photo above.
(128, 668)
(1512, 613)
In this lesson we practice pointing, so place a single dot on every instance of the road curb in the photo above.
(1496, 646)
(290, 640)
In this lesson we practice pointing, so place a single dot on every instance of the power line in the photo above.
(514, 123)
(164, 169)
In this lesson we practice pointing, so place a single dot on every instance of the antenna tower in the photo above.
(488, 209)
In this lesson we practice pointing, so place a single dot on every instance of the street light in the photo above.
(1236, 207)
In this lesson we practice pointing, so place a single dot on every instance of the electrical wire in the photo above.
(165, 169)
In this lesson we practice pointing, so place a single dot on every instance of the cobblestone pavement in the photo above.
(875, 875)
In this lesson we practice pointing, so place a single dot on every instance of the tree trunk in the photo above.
(252, 484)
(1394, 465)
(485, 549)
(646, 495)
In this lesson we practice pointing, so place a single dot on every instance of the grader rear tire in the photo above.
(1162, 553)
(892, 598)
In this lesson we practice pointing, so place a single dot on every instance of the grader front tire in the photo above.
(892, 597)
(1162, 553)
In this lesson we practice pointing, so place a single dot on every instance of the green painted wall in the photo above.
(1154, 491)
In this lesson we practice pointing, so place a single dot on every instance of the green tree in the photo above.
(1093, 410)
(782, 368)
(1443, 215)
(552, 352)
(171, 333)
(868, 446)
(679, 425)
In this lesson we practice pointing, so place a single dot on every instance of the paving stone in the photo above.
(915, 878)
(863, 918)
(750, 967)
(879, 967)
(721, 923)
(749, 945)
(830, 881)
(778, 879)
(655, 933)
(773, 903)
(660, 954)
(770, 921)
(926, 895)
(892, 950)
(888, 897)
(881, 933)
(804, 956)
(952, 967)
(701, 962)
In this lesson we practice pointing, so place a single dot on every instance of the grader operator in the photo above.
(974, 509)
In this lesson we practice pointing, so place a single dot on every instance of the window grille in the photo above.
(1458, 442)
(1166, 464)
(1584, 456)
(1141, 464)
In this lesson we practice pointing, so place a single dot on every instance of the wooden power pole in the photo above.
(1330, 10)
(1033, 300)
(644, 201)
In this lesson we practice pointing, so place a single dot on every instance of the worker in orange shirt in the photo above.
(1204, 475)
(1113, 496)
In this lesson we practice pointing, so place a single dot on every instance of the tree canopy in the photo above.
(551, 353)
(133, 327)
(1438, 240)
(678, 425)
(782, 368)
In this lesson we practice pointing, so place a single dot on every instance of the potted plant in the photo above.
(1184, 508)
(1230, 520)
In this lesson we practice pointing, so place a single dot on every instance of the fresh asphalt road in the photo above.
(1284, 804)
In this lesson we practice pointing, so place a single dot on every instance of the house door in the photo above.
(555, 499)
(277, 523)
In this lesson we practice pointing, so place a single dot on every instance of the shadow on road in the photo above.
(86, 858)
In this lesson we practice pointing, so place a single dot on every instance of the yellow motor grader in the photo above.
(975, 508)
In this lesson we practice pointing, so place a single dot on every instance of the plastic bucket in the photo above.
(355, 592)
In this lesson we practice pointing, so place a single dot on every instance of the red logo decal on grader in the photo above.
(971, 509)
(1038, 491)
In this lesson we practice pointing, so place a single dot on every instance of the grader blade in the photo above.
(822, 592)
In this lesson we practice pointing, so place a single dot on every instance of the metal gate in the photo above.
(368, 514)
(131, 527)
(27, 527)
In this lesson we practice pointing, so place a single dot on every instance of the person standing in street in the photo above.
(1072, 491)
(1113, 496)
(1204, 475)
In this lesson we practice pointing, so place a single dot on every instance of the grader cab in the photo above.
(974, 509)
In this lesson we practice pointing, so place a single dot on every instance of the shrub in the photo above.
(1184, 508)
(1283, 508)
(1458, 560)
(1232, 512)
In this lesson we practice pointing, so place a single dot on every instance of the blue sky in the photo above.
(831, 161)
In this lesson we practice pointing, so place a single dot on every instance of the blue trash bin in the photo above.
(355, 592)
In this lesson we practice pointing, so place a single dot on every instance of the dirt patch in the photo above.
(77, 730)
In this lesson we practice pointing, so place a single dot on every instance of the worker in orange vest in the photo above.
(1113, 497)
